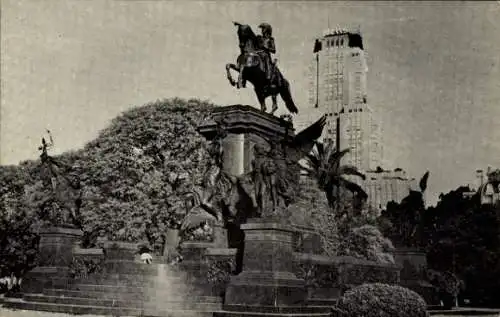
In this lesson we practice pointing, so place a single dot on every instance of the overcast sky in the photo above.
(434, 74)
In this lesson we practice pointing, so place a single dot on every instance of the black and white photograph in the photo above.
(233, 158)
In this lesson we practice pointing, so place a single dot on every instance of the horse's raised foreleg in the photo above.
(275, 103)
(228, 73)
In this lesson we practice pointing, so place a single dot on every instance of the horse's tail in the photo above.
(286, 95)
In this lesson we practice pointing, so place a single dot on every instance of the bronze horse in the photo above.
(251, 68)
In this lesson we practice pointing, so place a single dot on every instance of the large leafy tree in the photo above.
(135, 173)
(18, 242)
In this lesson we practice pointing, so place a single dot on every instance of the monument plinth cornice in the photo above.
(246, 119)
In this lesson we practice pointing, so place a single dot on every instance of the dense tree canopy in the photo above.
(463, 237)
(459, 235)
(131, 175)
(133, 170)
(18, 242)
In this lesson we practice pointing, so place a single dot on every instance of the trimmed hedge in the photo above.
(381, 300)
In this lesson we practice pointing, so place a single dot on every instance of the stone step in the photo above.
(82, 301)
(322, 302)
(130, 276)
(138, 304)
(111, 296)
(253, 314)
(296, 309)
(101, 310)
(138, 268)
(112, 288)
(130, 280)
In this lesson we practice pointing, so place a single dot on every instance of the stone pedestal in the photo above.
(55, 256)
(56, 245)
(414, 264)
(246, 126)
(117, 251)
(267, 279)
(120, 257)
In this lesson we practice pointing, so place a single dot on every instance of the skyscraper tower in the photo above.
(337, 87)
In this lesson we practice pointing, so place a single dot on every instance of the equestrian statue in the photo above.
(255, 65)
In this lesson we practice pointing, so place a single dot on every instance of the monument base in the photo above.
(267, 278)
(55, 256)
(265, 289)
(42, 277)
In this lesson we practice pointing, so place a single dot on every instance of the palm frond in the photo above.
(351, 170)
(335, 157)
(354, 188)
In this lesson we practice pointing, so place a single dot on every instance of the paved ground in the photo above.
(29, 313)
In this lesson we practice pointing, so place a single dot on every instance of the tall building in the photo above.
(337, 80)
(338, 88)
(383, 186)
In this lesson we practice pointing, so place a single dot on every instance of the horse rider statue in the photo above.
(255, 64)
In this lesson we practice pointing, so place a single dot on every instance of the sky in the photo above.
(434, 74)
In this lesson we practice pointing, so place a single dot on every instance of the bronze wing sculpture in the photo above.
(303, 143)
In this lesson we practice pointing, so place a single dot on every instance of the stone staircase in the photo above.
(138, 290)
(141, 291)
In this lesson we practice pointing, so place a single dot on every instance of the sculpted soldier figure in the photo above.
(268, 47)
(64, 189)
(214, 181)
(261, 185)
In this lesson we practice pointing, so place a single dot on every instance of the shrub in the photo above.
(367, 242)
(381, 300)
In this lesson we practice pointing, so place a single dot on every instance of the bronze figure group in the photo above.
(267, 189)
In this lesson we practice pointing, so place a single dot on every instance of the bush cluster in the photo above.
(381, 300)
